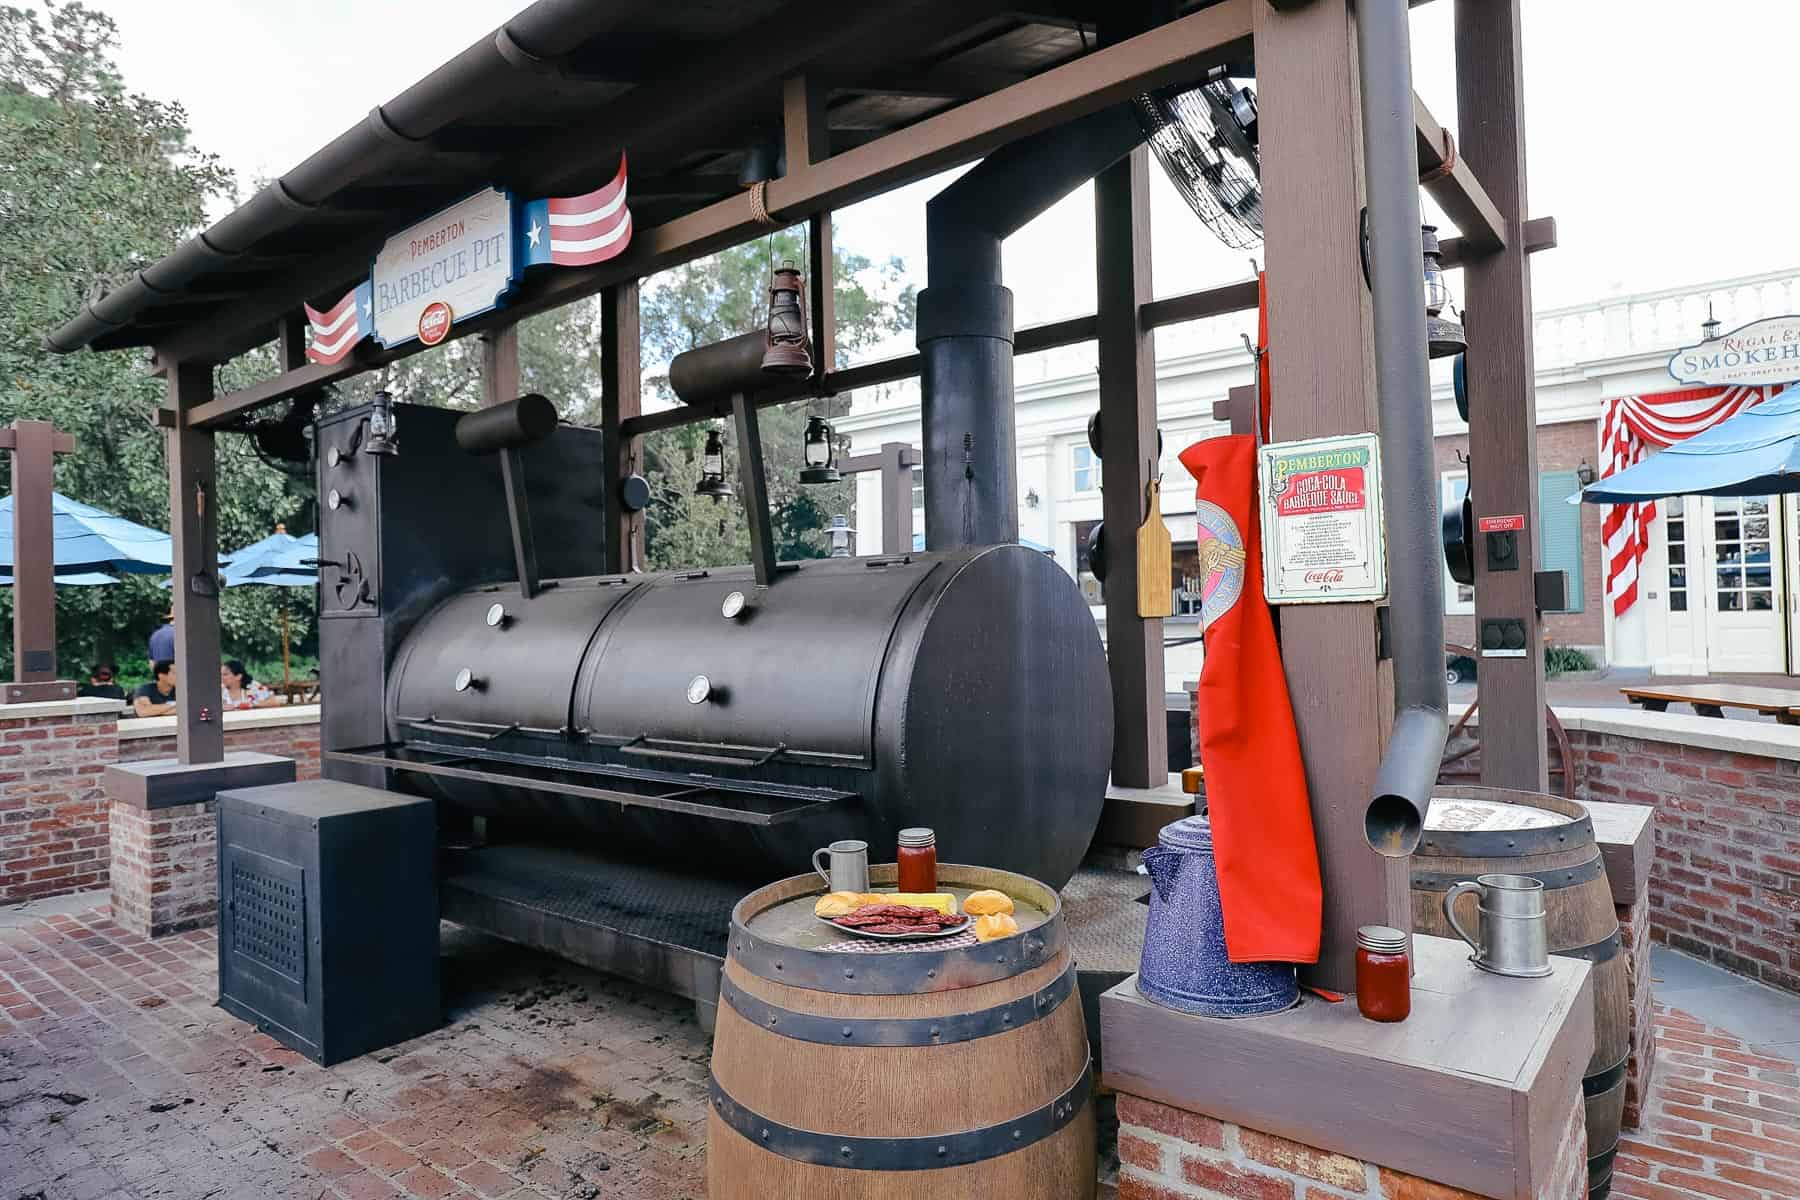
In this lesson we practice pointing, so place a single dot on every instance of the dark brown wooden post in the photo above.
(1503, 464)
(291, 342)
(1129, 460)
(194, 583)
(1322, 383)
(499, 366)
(897, 460)
(34, 446)
(621, 398)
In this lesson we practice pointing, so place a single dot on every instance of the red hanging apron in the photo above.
(1268, 863)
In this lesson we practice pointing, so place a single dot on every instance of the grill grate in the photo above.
(268, 920)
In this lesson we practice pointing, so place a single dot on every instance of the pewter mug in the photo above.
(849, 866)
(1510, 936)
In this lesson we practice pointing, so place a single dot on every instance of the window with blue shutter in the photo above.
(1559, 530)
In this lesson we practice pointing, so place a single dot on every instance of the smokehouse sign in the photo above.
(1762, 352)
(1321, 519)
(448, 267)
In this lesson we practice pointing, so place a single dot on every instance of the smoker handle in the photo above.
(729, 760)
(434, 727)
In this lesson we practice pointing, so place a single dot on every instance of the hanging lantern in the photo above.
(384, 428)
(821, 452)
(1444, 336)
(840, 536)
(1709, 328)
(712, 469)
(787, 352)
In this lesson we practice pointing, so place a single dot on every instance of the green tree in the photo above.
(96, 183)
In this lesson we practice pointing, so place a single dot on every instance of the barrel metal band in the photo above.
(904, 1153)
(1559, 877)
(1601, 1082)
(1604, 950)
(896, 974)
(899, 1031)
(1506, 843)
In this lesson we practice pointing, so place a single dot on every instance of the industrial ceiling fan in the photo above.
(1205, 138)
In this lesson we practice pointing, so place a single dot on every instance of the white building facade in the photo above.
(1721, 583)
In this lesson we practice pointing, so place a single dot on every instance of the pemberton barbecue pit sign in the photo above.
(1761, 353)
(1321, 519)
(455, 264)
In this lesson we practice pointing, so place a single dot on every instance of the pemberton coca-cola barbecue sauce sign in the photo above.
(1321, 518)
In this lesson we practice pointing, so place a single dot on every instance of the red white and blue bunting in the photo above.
(578, 231)
(1629, 427)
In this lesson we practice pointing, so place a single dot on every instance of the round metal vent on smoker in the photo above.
(733, 606)
(465, 680)
(334, 500)
(496, 616)
(699, 689)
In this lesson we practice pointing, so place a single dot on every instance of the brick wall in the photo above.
(1560, 448)
(54, 815)
(166, 876)
(1725, 883)
(1634, 937)
(298, 742)
(1169, 1154)
(53, 836)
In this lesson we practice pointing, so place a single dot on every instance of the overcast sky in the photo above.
(1657, 130)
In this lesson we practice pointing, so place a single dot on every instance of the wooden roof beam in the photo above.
(1458, 193)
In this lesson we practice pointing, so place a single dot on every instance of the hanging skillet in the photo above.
(1459, 541)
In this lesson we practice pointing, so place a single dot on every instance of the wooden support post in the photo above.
(1322, 383)
(291, 342)
(1129, 461)
(34, 446)
(1503, 464)
(897, 460)
(806, 137)
(499, 365)
(754, 485)
(821, 274)
(194, 582)
(621, 399)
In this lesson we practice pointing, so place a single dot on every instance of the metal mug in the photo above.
(1510, 935)
(849, 866)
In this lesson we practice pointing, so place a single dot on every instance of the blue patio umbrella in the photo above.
(279, 560)
(72, 579)
(1756, 453)
(88, 540)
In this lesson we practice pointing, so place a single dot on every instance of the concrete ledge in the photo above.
(248, 718)
(1133, 816)
(1472, 1091)
(156, 783)
(1627, 837)
(1763, 738)
(81, 706)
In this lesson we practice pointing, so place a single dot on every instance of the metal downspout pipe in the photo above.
(1409, 768)
(965, 321)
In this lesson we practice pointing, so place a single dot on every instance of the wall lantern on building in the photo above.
(820, 452)
(841, 535)
(1709, 328)
(1031, 498)
(787, 353)
(1584, 474)
(384, 428)
(712, 469)
(1444, 336)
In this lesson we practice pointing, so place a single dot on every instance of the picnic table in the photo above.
(1712, 699)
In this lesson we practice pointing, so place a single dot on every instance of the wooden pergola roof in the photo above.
(547, 103)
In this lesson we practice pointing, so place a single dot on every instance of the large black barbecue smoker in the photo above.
(611, 758)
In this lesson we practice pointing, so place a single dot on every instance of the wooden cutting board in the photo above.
(1156, 595)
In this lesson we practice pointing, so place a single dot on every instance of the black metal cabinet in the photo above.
(328, 919)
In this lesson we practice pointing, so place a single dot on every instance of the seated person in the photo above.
(156, 698)
(103, 683)
(240, 690)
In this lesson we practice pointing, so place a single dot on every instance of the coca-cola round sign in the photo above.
(434, 322)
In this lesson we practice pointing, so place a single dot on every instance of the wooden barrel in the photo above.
(1580, 922)
(887, 1075)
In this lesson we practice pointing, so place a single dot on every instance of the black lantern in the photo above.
(787, 352)
(1709, 328)
(384, 429)
(821, 452)
(1444, 336)
(712, 469)
(1584, 474)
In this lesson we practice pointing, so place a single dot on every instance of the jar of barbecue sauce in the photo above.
(918, 860)
(1383, 974)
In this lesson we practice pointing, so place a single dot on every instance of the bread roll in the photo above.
(980, 904)
(995, 926)
(839, 904)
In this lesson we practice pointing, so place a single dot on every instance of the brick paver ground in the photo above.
(119, 1078)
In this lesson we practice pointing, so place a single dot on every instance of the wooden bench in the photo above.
(1712, 699)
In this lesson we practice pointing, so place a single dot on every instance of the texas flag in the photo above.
(577, 231)
(336, 331)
